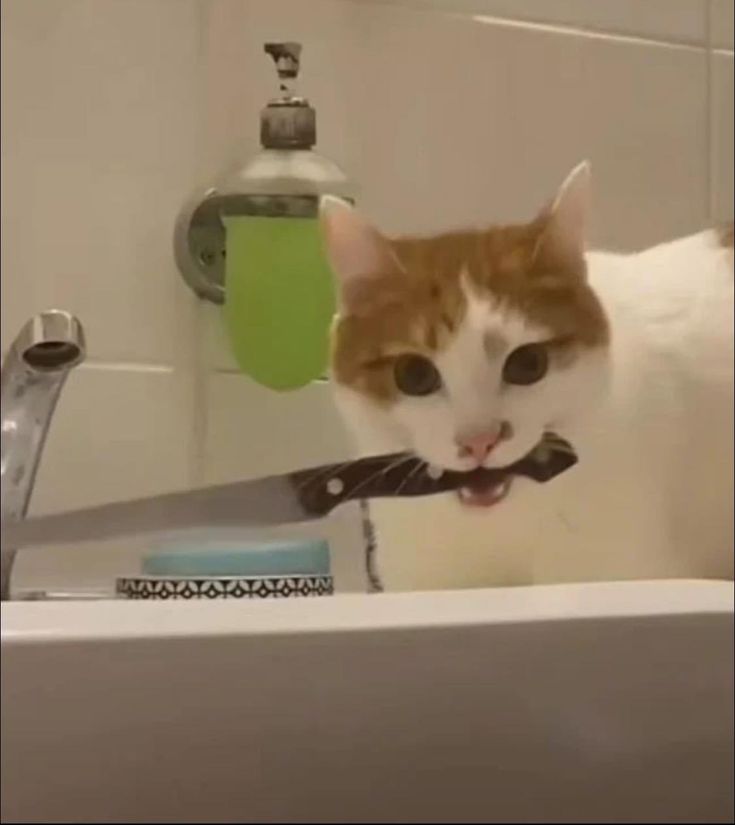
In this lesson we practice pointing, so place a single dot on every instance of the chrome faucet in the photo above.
(32, 376)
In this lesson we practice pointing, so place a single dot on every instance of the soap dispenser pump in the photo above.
(251, 241)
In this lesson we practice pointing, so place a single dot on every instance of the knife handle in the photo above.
(403, 475)
(322, 490)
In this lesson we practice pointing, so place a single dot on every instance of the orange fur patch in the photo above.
(419, 309)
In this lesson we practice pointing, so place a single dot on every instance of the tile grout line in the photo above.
(200, 377)
(591, 34)
(708, 132)
(200, 407)
(126, 366)
(545, 25)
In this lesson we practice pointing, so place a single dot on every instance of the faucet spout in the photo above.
(32, 377)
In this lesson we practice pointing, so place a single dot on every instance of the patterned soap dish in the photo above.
(223, 587)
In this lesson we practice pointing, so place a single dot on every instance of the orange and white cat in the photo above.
(466, 347)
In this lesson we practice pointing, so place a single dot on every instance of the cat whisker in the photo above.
(561, 447)
(420, 466)
(392, 466)
(327, 474)
(557, 443)
(565, 521)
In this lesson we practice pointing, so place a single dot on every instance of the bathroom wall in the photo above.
(444, 112)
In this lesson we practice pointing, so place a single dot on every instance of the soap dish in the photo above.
(223, 587)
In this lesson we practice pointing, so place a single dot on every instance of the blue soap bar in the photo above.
(237, 558)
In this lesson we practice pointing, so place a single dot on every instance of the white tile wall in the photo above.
(100, 139)
(722, 21)
(508, 136)
(722, 136)
(669, 20)
(123, 433)
(100, 144)
(253, 431)
(443, 111)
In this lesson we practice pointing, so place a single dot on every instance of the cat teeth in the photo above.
(434, 472)
(484, 499)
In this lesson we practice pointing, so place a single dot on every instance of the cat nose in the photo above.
(478, 445)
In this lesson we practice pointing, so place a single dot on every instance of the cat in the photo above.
(466, 347)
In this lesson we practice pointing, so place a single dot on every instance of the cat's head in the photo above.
(465, 347)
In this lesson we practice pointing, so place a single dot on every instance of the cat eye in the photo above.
(526, 365)
(416, 375)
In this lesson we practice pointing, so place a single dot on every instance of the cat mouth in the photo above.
(484, 494)
(488, 486)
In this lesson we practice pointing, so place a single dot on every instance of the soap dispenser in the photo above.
(251, 242)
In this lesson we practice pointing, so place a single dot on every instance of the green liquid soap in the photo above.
(279, 299)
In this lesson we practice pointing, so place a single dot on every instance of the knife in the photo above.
(299, 496)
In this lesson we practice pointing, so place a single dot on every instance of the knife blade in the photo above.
(294, 497)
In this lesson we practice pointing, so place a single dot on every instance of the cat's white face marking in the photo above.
(474, 396)
(465, 302)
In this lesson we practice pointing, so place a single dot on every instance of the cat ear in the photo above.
(357, 252)
(561, 244)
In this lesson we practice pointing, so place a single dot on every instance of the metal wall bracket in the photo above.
(199, 245)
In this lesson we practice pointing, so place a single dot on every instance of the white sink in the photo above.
(573, 703)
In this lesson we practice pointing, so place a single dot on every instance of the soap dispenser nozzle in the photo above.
(287, 57)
